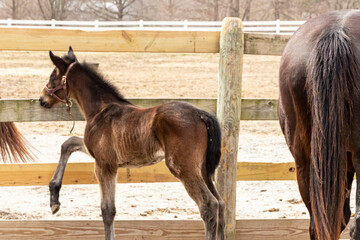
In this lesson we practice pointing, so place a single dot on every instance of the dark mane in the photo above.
(103, 85)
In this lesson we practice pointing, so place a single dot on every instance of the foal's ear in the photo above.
(58, 62)
(71, 54)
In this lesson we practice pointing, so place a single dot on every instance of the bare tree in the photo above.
(216, 10)
(169, 9)
(110, 9)
(233, 8)
(342, 4)
(55, 9)
(14, 9)
(246, 14)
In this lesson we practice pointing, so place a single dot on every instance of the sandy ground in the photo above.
(23, 75)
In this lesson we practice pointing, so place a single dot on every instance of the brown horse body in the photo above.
(319, 113)
(120, 134)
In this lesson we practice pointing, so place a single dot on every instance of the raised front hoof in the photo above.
(55, 208)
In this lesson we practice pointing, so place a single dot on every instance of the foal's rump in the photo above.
(185, 124)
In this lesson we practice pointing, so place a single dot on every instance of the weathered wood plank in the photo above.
(83, 173)
(246, 229)
(259, 109)
(29, 110)
(265, 44)
(275, 229)
(77, 173)
(229, 115)
(133, 41)
(260, 171)
(109, 41)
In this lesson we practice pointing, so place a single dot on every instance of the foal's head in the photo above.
(56, 89)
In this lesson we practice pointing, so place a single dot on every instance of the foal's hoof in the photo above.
(55, 208)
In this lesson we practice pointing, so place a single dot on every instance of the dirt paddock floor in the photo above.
(24, 74)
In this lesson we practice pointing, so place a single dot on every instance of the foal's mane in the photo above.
(103, 85)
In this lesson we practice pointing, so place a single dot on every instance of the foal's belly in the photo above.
(141, 160)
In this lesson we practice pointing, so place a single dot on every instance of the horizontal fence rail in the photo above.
(29, 110)
(246, 229)
(34, 174)
(134, 41)
(249, 26)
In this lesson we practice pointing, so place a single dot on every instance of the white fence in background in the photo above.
(280, 27)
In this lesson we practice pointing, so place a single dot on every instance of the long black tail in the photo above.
(213, 153)
(333, 73)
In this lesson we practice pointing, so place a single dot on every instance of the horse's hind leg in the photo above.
(71, 145)
(221, 212)
(106, 176)
(347, 211)
(297, 145)
(355, 225)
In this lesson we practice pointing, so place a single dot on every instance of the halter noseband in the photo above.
(63, 85)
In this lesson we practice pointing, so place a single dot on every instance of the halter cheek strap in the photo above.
(63, 85)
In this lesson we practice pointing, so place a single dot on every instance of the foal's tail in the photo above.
(213, 152)
(332, 78)
(13, 145)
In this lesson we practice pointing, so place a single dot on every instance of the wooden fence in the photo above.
(29, 110)
(246, 229)
(83, 173)
(140, 41)
(134, 41)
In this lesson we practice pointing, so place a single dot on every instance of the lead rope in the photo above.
(68, 103)
(68, 109)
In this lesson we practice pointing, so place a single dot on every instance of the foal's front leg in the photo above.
(71, 145)
(107, 181)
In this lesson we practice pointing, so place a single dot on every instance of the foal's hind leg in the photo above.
(206, 201)
(198, 190)
(107, 180)
(71, 145)
(221, 217)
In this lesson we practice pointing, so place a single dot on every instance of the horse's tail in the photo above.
(213, 152)
(332, 78)
(13, 145)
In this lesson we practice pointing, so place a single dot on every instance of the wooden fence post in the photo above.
(229, 113)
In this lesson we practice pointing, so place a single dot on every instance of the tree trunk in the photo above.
(276, 4)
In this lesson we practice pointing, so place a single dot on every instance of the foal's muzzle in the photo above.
(43, 103)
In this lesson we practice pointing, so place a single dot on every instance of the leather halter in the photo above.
(63, 85)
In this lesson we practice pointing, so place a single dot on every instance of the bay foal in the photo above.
(120, 134)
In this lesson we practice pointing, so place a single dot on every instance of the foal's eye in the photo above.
(52, 77)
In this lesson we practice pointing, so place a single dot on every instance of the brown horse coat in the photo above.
(319, 113)
(120, 134)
